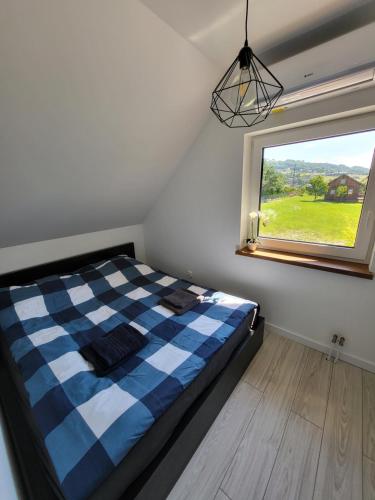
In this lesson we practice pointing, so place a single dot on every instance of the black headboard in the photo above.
(68, 265)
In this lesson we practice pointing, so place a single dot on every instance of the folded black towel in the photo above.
(180, 301)
(109, 351)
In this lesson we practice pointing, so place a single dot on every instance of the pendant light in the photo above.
(248, 91)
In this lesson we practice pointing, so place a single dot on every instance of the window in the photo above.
(315, 187)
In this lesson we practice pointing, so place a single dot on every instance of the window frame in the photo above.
(315, 129)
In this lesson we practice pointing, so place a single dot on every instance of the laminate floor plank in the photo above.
(369, 415)
(250, 470)
(202, 476)
(263, 365)
(312, 395)
(368, 479)
(292, 429)
(339, 475)
(293, 475)
(221, 496)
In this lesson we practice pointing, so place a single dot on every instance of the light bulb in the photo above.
(243, 88)
(250, 97)
(243, 91)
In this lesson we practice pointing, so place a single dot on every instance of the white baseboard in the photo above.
(319, 346)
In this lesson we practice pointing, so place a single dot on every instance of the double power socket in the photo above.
(337, 343)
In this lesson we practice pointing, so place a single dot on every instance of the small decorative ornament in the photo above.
(247, 92)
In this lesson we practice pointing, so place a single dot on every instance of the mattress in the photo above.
(87, 428)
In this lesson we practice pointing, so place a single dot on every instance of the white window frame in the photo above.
(337, 125)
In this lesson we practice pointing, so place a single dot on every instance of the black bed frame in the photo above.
(159, 477)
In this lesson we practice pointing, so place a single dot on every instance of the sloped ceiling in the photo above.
(295, 37)
(98, 102)
(217, 26)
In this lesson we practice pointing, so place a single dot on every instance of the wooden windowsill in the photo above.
(321, 263)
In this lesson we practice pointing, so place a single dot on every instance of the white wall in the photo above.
(99, 101)
(31, 254)
(8, 478)
(195, 225)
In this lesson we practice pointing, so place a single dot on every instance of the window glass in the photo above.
(313, 191)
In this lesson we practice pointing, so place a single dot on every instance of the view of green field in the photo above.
(302, 218)
(313, 191)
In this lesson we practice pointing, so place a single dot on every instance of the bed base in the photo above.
(159, 477)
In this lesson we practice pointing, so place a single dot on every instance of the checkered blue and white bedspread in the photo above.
(89, 423)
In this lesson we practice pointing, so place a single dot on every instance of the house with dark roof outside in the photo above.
(352, 192)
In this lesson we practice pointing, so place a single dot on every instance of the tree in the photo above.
(273, 181)
(317, 186)
(342, 192)
(362, 189)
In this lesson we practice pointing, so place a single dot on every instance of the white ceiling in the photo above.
(216, 28)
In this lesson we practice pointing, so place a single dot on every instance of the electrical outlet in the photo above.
(334, 338)
(189, 274)
(332, 347)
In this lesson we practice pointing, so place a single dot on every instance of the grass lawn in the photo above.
(304, 219)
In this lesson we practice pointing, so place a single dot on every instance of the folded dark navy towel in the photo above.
(109, 351)
(180, 301)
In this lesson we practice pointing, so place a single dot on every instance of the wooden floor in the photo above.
(296, 426)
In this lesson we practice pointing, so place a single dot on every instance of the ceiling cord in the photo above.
(247, 12)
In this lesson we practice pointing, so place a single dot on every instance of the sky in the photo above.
(351, 150)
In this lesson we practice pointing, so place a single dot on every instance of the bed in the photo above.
(130, 434)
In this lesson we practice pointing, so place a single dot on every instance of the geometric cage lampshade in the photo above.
(247, 92)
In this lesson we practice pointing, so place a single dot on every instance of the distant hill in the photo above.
(318, 168)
